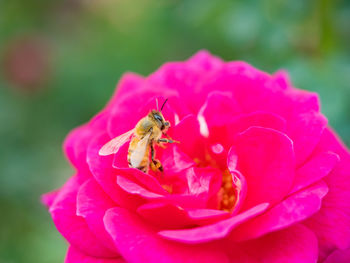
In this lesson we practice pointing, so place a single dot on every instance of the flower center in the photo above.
(227, 193)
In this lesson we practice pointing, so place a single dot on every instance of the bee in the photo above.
(147, 133)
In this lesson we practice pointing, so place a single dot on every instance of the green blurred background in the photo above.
(60, 62)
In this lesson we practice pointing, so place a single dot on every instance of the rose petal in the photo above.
(305, 130)
(138, 242)
(205, 61)
(315, 169)
(281, 79)
(219, 108)
(225, 135)
(190, 142)
(339, 256)
(105, 175)
(126, 112)
(184, 78)
(166, 215)
(48, 198)
(214, 231)
(92, 204)
(75, 256)
(73, 227)
(199, 179)
(294, 244)
(295, 208)
(174, 161)
(135, 189)
(266, 159)
(240, 184)
(207, 216)
(75, 146)
(332, 223)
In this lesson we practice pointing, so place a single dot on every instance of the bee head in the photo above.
(158, 118)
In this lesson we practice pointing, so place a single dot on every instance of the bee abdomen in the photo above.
(137, 161)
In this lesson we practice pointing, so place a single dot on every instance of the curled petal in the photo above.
(266, 159)
(167, 215)
(103, 172)
(187, 132)
(339, 256)
(205, 61)
(74, 228)
(175, 161)
(219, 108)
(315, 169)
(305, 130)
(294, 244)
(332, 223)
(75, 256)
(138, 242)
(75, 146)
(48, 198)
(126, 112)
(135, 189)
(295, 208)
(281, 79)
(214, 231)
(226, 134)
(92, 204)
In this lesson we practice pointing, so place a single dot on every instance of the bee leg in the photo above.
(167, 140)
(170, 139)
(155, 164)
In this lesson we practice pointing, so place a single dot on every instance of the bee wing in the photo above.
(139, 152)
(114, 145)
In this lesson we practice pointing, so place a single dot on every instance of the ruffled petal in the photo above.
(136, 189)
(92, 204)
(74, 228)
(226, 134)
(205, 61)
(102, 169)
(75, 256)
(214, 231)
(315, 169)
(48, 198)
(339, 256)
(75, 146)
(219, 108)
(332, 223)
(174, 161)
(138, 242)
(170, 216)
(126, 112)
(294, 208)
(187, 132)
(291, 245)
(187, 78)
(266, 159)
(305, 130)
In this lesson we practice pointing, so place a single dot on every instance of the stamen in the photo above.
(168, 188)
(227, 193)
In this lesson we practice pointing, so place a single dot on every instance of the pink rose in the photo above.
(257, 177)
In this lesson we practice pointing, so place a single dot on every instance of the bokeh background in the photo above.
(61, 59)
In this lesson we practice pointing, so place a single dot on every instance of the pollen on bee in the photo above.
(227, 193)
